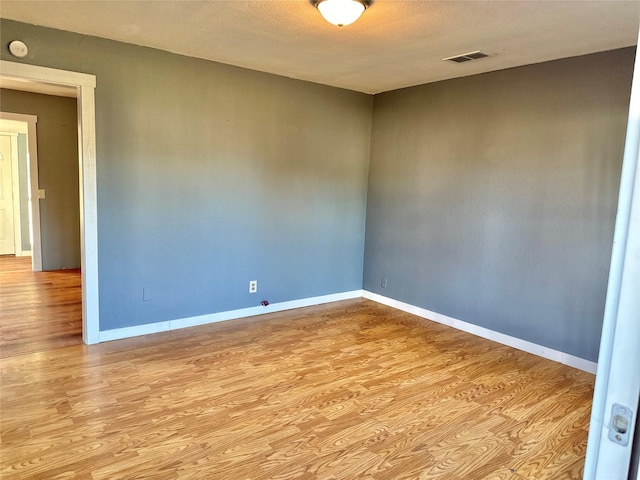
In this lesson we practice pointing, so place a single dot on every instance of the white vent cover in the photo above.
(465, 57)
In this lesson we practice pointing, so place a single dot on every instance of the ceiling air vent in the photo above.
(465, 57)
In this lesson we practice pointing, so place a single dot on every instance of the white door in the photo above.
(615, 401)
(7, 238)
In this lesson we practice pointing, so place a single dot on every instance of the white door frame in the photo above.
(85, 87)
(618, 374)
(15, 193)
(32, 147)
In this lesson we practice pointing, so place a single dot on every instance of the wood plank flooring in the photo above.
(39, 311)
(351, 390)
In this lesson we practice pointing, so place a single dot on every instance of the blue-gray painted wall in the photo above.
(210, 176)
(489, 198)
(492, 198)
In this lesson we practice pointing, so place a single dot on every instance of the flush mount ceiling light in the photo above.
(341, 12)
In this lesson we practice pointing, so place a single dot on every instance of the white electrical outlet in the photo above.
(253, 286)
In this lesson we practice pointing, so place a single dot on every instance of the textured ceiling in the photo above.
(395, 44)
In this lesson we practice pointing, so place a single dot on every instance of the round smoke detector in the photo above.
(18, 49)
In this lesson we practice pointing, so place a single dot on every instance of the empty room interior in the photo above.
(258, 242)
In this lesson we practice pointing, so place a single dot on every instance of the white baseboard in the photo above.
(137, 330)
(549, 353)
(545, 352)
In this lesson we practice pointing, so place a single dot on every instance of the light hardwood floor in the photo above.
(351, 390)
(40, 310)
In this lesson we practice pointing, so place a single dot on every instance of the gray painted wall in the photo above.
(57, 131)
(210, 176)
(492, 198)
(23, 179)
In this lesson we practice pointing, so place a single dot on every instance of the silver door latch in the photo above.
(620, 424)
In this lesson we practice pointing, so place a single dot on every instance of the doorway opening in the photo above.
(18, 140)
(42, 80)
(11, 199)
(41, 310)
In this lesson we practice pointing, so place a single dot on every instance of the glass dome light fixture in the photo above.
(341, 12)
